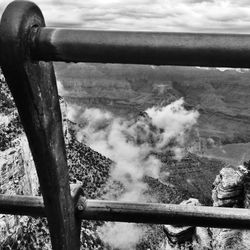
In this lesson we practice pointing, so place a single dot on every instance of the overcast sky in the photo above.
(151, 15)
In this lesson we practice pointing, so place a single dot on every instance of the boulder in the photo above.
(187, 237)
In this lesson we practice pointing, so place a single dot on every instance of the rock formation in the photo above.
(187, 237)
(17, 177)
(229, 190)
(246, 168)
(17, 170)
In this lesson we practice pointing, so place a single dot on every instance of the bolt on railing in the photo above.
(27, 48)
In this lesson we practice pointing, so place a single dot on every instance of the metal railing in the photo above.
(26, 51)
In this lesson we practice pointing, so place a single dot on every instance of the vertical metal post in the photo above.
(33, 86)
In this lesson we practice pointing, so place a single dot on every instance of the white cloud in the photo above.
(121, 235)
(130, 143)
(153, 15)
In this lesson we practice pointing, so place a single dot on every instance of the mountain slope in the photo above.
(222, 98)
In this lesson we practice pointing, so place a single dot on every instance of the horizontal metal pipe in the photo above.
(74, 45)
(137, 212)
(166, 214)
(22, 205)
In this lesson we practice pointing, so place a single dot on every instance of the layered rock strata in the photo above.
(246, 168)
(229, 191)
(228, 188)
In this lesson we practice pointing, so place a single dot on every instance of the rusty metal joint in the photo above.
(81, 204)
(77, 194)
